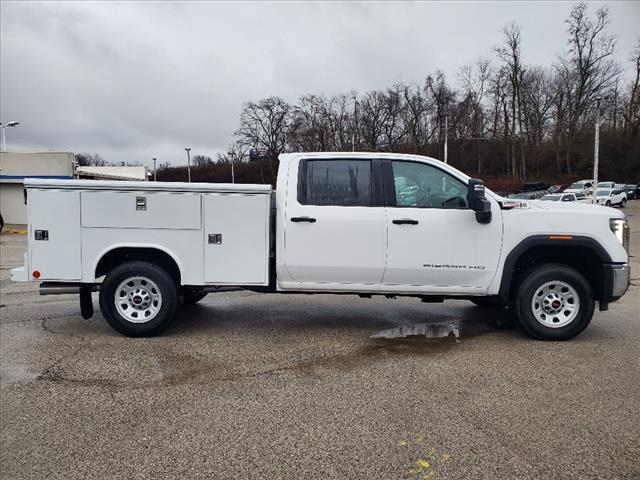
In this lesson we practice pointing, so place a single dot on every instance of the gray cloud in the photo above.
(136, 80)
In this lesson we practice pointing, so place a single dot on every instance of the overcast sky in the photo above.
(131, 81)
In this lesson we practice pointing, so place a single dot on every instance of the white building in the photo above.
(15, 167)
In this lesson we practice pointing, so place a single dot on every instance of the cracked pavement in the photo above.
(245, 385)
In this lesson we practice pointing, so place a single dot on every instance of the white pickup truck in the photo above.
(361, 223)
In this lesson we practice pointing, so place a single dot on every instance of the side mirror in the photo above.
(478, 202)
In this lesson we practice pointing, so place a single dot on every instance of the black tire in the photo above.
(623, 203)
(523, 307)
(166, 289)
(191, 296)
(488, 302)
(608, 204)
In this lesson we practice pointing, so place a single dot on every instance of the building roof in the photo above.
(113, 173)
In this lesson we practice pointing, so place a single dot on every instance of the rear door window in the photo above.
(335, 182)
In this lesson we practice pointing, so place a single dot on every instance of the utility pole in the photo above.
(154, 168)
(188, 149)
(596, 151)
(446, 133)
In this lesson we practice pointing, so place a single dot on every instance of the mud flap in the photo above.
(86, 303)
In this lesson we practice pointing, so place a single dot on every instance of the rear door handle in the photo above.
(303, 219)
(405, 221)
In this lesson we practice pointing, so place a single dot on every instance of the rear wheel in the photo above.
(138, 299)
(553, 302)
(608, 204)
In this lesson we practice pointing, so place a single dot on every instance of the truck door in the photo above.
(335, 226)
(434, 239)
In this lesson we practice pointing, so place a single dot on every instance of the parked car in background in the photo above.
(534, 187)
(630, 190)
(612, 196)
(607, 185)
(557, 188)
(523, 196)
(583, 186)
(582, 198)
(559, 197)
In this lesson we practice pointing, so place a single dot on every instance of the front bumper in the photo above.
(617, 277)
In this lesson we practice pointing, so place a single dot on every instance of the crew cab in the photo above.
(359, 223)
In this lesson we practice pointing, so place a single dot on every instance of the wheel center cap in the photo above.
(137, 300)
(556, 304)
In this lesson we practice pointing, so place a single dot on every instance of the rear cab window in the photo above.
(339, 182)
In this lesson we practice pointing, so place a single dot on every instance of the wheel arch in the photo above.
(585, 254)
(117, 254)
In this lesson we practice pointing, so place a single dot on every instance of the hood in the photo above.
(577, 207)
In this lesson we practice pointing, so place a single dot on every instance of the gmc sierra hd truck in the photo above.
(360, 223)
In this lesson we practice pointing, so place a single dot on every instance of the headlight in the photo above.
(620, 228)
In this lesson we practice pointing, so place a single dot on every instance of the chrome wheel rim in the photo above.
(555, 304)
(138, 299)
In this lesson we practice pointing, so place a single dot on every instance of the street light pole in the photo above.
(154, 168)
(596, 152)
(446, 135)
(188, 149)
(4, 126)
(355, 123)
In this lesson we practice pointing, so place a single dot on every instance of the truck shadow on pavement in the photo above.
(262, 337)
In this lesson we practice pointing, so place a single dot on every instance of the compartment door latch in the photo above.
(215, 239)
(141, 203)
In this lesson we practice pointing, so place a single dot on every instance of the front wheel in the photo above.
(138, 299)
(623, 203)
(608, 204)
(553, 302)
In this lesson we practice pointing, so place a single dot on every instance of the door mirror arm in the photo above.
(478, 201)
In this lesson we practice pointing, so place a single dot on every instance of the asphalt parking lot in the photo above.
(246, 385)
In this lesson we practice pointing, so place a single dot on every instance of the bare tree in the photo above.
(90, 159)
(510, 54)
(631, 113)
(587, 71)
(201, 160)
(265, 125)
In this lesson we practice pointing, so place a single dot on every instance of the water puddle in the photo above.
(426, 330)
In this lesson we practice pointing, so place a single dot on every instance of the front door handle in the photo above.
(303, 219)
(405, 221)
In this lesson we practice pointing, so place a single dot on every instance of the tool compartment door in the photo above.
(173, 211)
(54, 234)
(236, 239)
